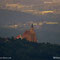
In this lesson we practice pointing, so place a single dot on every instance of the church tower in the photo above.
(33, 34)
(30, 35)
(32, 29)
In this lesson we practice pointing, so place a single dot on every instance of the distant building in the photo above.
(30, 35)
(19, 36)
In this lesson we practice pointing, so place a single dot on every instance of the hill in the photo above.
(24, 50)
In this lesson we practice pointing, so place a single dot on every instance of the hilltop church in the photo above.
(30, 35)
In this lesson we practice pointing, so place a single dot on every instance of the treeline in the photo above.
(21, 49)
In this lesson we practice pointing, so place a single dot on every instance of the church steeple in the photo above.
(30, 35)
(32, 26)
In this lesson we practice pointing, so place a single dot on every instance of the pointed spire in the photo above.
(32, 26)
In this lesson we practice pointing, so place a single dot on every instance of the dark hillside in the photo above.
(24, 50)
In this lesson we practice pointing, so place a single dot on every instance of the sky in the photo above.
(37, 3)
(32, 6)
(18, 14)
(35, 7)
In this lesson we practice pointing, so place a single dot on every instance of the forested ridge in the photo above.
(21, 49)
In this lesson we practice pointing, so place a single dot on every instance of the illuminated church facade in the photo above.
(30, 35)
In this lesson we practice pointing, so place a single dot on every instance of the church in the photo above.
(30, 34)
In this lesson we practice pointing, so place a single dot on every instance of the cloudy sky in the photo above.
(39, 7)
(35, 4)
(27, 11)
